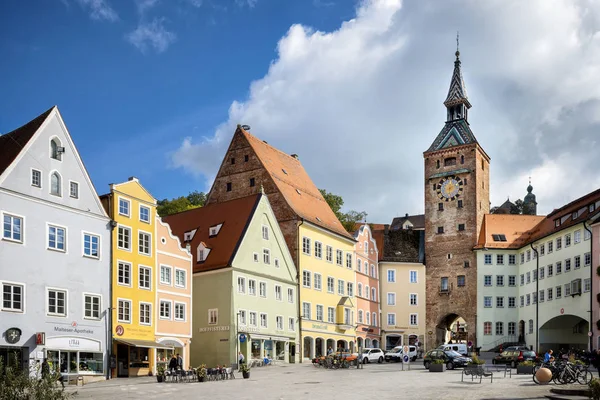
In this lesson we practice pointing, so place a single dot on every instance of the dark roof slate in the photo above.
(403, 246)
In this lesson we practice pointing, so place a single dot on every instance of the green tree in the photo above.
(348, 219)
(178, 204)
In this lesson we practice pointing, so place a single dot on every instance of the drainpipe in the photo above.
(537, 294)
(109, 341)
(298, 277)
(591, 332)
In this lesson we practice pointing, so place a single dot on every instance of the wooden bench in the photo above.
(475, 372)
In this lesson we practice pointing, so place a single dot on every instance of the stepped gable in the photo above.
(295, 185)
(234, 215)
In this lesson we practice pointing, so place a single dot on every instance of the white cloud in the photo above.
(151, 34)
(145, 5)
(99, 10)
(361, 104)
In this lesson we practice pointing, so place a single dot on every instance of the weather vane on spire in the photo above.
(457, 40)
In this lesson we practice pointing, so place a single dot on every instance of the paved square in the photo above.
(302, 381)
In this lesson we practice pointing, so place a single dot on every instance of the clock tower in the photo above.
(456, 198)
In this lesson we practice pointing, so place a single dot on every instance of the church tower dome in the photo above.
(529, 202)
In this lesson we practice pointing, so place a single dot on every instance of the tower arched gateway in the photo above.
(456, 198)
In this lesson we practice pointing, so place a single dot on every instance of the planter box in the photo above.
(246, 375)
(437, 367)
(159, 378)
(201, 379)
(523, 369)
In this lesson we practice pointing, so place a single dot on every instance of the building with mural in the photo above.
(368, 294)
(54, 253)
(245, 282)
(321, 248)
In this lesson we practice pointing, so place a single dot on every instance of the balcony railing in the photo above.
(446, 289)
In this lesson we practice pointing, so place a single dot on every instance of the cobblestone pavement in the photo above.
(303, 381)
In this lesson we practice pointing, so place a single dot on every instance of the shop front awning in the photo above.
(149, 344)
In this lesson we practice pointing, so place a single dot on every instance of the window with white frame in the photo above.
(12, 228)
(317, 281)
(91, 305)
(306, 310)
(487, 301)
(74, 189)
(499, 302)
(263, 320)
(549, 294)
(512, 259)
(124, 238)
(413, 299)
(522, 258)
(527, 299)
(291, 324)
(339, 257)
(328, 253)
(528, 276)
(179, 311)
(165, 274)
(512, 328)
(577, 236)
(213, 317)
(267, 256)
(499, 328)
(251, 287)
(13, 297)
(522, 300)
(165, 309)
(368, 318)
(180, 278)
(391, 299)
(413, 276)
(558, 292)
(144, 214)
(542, 272)
(587, 285)
(488, 259)
(265, 232)
(57, 238)
(374, 319)
(57, 302)
(567, 265)
(541, 296)
(358, 264)
(242, 317)
(558, 267)
(512, 302)
(587, 259)
(279, 322)
(360, 316)
(366, 247)
(577, 262)
(318, 250)
(499, 259)
(350, 289)
(91, 245)
(349, 260)
(586, 235)
(306, 279)
(567, 240)
(253, 321)
(319, 312)
(413, 319)
(391, 319)
(542, 249)
(124, 311)
(330, 315)
(124, 273)
(262, 289)
(124, 207)
(373, 271)
(528, 253)
(391, 275)
(278, 293)
(558, 243)
(276, 262)
(330, 284)
(487, 328)
(530, 326)
(144, 240)
(341, 284)
(36, 178)
(487, 280)
(290, 292)
(359, 289)
(367, 292)
(145, 314)
(512, 280)
(55, 184)
(255, 257)
(373, 294)
(499, 280)
(306, 245)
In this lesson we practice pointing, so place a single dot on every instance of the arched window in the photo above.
(487, 328)
(530, 326)
(374, 319)
(360, 316)
(359, 293)
(366, 292)
(373, 294)
(462, 159)
(54, 149)
(55, 184)
(368, 319)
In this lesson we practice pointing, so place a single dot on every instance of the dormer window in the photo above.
(202, 252)
(55, 187)
(56, 149)
(214, 230)
(188, 236)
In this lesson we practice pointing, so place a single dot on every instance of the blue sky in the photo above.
(126, 107)
(154, 89)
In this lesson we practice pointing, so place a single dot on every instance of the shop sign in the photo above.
(13, 335)
(77, 343)
(120, 330)
(171, 343)
(248, 329)
(73, 327)
(213, 329)
(242, 338)
(319, 326)
(40, 338)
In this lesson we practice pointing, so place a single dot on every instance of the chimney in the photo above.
(294, 156)
(132, 178)
(406, 215)
(265, 142)
(386, 228)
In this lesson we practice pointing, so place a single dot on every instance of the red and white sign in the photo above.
(120, 330)
(562, 310)
(40, 338)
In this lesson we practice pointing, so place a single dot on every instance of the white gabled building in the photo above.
(534, 278)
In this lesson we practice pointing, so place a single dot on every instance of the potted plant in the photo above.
(245, 370)
(594, 386)
(201, 371)
(525, 367)
(437, 366)
(160, 373)
(476, 364)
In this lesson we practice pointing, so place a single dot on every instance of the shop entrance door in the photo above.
(122, 361)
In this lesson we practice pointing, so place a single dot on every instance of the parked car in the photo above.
(396, 354)
(457, 347)
(514, 357)
(350, 357)
(514, 348)
(451, 358)
(372, 355)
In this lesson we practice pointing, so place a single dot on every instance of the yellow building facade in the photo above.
(134, 276)
(327, 291)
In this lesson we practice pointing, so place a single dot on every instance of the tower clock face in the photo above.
(450, 188)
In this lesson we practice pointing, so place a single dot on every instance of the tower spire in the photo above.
(457, 101)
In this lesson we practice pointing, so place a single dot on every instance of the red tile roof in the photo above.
(13, 142)
(295, 185)
(235, 215)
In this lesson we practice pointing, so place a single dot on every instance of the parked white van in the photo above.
(458, 347)
(396, 354)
